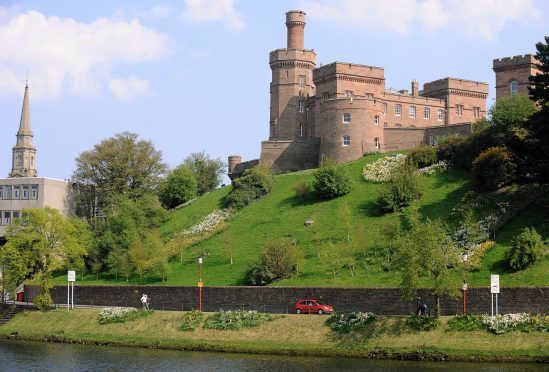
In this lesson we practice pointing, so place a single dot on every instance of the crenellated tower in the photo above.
(292, 82)
(23, 163)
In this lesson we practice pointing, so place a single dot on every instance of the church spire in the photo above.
(24, 152)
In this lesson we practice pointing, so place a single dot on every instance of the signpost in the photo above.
(71, 278)
(494, 289)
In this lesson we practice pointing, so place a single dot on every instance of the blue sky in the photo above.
(194, 75)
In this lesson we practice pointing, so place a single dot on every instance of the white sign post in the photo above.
(71, 278)
(494, 289)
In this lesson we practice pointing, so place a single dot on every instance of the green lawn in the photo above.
(323, 249)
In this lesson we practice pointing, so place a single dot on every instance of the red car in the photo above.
(312, 306)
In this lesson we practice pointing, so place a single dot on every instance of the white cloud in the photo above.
(477, 18)
(199, 11)
(64, 54)
(129, 88)
(158, 11)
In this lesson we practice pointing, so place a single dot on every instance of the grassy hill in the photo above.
(324, 250)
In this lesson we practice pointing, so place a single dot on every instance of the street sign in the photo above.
(200, 284)
(71, 276)
(494, 283)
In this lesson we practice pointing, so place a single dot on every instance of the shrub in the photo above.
(405, 188)
(500, 324)
(43, 301)
(422, 323)
(494, 168)
(423, 156)
(526, 250)
(120, 314)
(234, 320)
(254, 183)
(302, 188)
(191, 320)
(179, 188)
(462, 150)
(331, 180)
(475, 255)
(278, 261)
(380, 170)
(259, 274)
(349, 322)
(461, 323)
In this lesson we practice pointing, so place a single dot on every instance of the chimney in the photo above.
(415, 85)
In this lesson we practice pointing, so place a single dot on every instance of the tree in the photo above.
(207, 171)
(40, 241)
(508, 114)
(403, 189)
(122, 164)
(494, 168)
(331, 180)
(180, 187)
(427, 249)
(526, 250)
(254, 183)
(539, 91)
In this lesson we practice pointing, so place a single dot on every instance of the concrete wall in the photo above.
(383, 301)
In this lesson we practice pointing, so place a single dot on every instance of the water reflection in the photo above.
(35, 356)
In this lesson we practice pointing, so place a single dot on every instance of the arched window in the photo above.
(514, 87)
(384, 108)
(376, 120)
(376, 143)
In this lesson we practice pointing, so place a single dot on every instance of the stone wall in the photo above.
(405, 138)
(385, 301)
(289, 156)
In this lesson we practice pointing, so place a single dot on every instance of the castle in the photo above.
(344, 110)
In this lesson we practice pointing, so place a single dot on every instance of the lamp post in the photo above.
(200, 283)
(464, 258)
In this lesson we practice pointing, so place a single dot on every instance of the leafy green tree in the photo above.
(509, 113)
(539, 91)
(526, 250)
(207, 171)
(331, 180)
(254, 183)
(122, 164)
(180, 187)
(278, 261)
(40, 241)
(426, 249)
(404, 188)
(494, 168)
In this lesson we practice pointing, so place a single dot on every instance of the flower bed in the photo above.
(380, 170)
(348, 322)
(191, 320)
(475, 255)
(120, 314)
(500, 324)
(233, 320)
(440, 166)
(209, 223)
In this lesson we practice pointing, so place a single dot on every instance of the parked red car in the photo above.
(312, 306)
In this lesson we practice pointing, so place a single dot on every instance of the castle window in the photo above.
(346, 140)
(459, 110)
(426, 113)
(34, 192)
(398, 125)
(301, 106)
(398, 110)
(376, 120)
(440, 115)
(302, 81)
(301, 130)
(25, 191)
(16, 192)
(412, 111)
(346, 117)
(385, 108)
(476, 112)
(7, 217)
(326, 95)
(349, 93)
(376, 143)
(514, 87)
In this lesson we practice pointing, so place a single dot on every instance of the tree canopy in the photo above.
(180, 187)
(208, 171)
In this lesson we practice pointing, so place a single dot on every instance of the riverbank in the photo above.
(291, 334)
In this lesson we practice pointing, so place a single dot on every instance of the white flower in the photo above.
(208, 223)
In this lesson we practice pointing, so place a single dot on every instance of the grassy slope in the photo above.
(289, 334)
(282, 214)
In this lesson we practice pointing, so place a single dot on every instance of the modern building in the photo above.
(23, 189)
(344, 110)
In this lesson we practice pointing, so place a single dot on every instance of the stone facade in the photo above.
(343, 110)
(383, 301)
(512, 74)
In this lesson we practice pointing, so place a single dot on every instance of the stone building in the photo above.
(344, 110)
(512, 74)
(23, 188)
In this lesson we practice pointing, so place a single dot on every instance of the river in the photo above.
(38, 356)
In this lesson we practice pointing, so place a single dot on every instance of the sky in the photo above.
(194, 76)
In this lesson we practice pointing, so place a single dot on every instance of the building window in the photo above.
(440, 115)
(15, 214)
(7, 217)
(398, 110)
(398, 125)
(301, 106)
(376, 143)
(16, 192)
(7, 192)
(514, 87)
(476, 112)
(385, 124)
(426, 113)
(300, 130)
(302, 81)
(349, 93)
(25, 191)
(346, 140)
(1, 192)
(34, 192)
(346, 117)
(385, 108)
(370, 95)
(459, 110)
(412, 111)
(376, 120)
(325, 95)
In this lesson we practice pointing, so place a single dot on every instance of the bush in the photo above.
(302, 188)
(43, 301)
(278, 261)
(494, 168)
(180, 187)
(462, 150)
(120, 314)
(422, 323)
(331, 180)
(234, 320)
(423, 156)
(405, 188)
(526, 250)
(254, 183)
(191, 320)
(259, 275)
(465, 323)
(349, 322)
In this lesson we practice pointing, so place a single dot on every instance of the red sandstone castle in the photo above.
(343, 110)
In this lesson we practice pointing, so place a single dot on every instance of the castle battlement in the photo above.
(525, 59)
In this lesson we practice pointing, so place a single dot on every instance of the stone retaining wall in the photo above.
(281, 299)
